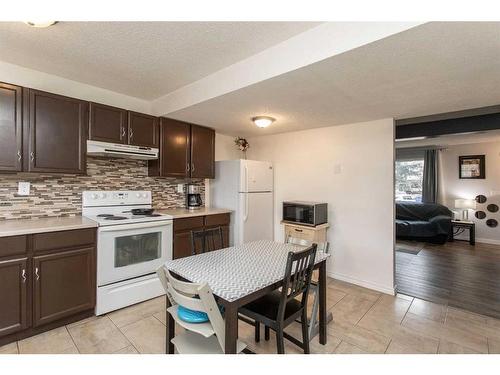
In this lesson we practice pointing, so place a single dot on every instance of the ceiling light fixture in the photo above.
(263, 121)
(40, 24)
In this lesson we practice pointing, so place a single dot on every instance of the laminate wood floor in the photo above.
(455, 274)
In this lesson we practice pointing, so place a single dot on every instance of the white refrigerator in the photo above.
(246, 187)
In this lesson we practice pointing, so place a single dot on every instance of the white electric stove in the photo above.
(131, 246)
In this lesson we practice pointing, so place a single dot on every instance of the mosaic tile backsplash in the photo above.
(61, 195)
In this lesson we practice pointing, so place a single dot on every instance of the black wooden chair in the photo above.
(281, 308)
(206, 240)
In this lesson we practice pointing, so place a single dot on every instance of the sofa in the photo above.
(427, 222)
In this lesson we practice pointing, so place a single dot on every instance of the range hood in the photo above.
(117, 150)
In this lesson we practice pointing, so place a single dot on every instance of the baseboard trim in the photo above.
(363, 283)
(488, 241)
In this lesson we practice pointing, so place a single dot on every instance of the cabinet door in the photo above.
(57, 131)
(64, 284)
(182, 245)
(10, 127)
(202, 152)
(174, 149)
(142, 130)
(13, 292)
(107, 124)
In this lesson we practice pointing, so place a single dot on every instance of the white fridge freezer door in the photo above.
(256, 176)
(256, 217)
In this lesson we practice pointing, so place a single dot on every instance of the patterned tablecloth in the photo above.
(238, 271)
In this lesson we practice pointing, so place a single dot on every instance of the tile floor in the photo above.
(364, 322)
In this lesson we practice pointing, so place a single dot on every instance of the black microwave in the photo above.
(305, 213)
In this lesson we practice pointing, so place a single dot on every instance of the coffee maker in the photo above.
(193, 198)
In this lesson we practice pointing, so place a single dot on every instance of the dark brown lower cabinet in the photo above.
(46, 280)
(184, 226)
(64, 284)
(13, 292)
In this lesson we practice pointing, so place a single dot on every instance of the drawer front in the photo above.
(188, 223)
(304, 234)
(217, 220)
(64, 239)
(15, 245)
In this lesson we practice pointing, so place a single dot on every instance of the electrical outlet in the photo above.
(337, 169)
(23, 188)
(180, 188)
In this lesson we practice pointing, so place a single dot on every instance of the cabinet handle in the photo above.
(298, 230)
(123, 133)
(23, 275)
(130, 134)
(32, 156)
(187, 167)
(192, 167)
(19, 157)
(37, 274)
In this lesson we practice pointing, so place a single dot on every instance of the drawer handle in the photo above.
(298, 230)
(32, 155)
(23, 275)
(19, 157)
(37, 274)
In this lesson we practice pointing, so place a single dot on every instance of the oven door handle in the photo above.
(122, 227)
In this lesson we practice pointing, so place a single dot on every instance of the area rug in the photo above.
(409, 248)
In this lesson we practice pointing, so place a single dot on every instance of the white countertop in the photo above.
(179, 213)
(55, 224)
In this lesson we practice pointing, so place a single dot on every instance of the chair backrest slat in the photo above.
(298, 273)
(206, 240)
(194, 296)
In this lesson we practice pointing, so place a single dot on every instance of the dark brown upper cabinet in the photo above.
(13, 289)
(184, 147)
(57, 133)
(142, 130)
(10, 128)
(202, 152)
(107, 124)
(174, 158)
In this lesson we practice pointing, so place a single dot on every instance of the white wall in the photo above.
(21, 76)
(454, 188)
(225, 149)
(351, 167)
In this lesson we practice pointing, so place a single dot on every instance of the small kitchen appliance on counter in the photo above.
(132, 242)
(193, 198)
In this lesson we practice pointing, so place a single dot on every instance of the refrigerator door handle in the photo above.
(246, 179)
(245, 217)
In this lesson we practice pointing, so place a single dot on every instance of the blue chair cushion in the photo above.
(191, 316)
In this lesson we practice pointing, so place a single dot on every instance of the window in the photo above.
(409, 176)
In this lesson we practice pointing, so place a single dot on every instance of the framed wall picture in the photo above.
(472, 166)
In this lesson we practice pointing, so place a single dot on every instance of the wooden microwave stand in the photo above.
(305, 232)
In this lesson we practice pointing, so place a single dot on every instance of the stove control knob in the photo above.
(103, 195)
(138, 195)
(94, 196)
(144, 195)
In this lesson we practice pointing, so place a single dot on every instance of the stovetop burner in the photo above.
(105, 215)
(112, 217)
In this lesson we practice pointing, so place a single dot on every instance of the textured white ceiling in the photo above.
(141, 59)
(433, 68)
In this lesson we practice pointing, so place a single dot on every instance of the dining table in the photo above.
(241, 274)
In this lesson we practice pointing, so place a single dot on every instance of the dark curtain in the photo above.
(430, 180)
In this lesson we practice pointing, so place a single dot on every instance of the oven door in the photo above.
(132, 250)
